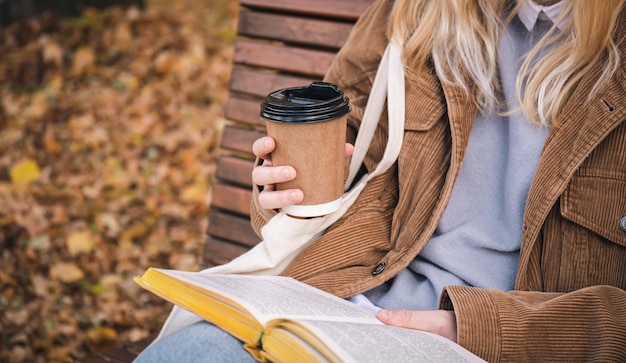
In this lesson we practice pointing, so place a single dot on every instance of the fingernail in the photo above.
(294, 197)
(285, 173)
(384, 314)
(266, 143)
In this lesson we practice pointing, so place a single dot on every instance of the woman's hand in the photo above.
(267, 176)
(440, 322)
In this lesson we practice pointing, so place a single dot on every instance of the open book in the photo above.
(280, 319)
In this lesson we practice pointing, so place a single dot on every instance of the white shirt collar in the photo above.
(529, 12)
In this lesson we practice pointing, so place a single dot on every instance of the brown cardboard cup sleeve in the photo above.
(309, 126)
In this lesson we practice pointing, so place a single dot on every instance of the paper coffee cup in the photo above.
(309, 126)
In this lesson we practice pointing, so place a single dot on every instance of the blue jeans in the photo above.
(200, 342)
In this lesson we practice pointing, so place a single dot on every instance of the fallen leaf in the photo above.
(40, 242)
(81, 123)
(18, 317)
(40, 285)
(52, 146)
(51, 51)
(18, 354)
(137, 334)
(83, 61)
(60, 354)
(80, 242)
(109, 224)
(123, 36)
(164, 62)
(100, 333)
(37, 108)
(25, 172)
(184, 261)
(130, 288)
(109, 280)
(196, 193)
(66, 272)
(157, 243)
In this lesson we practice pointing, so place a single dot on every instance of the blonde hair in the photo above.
(459, 39)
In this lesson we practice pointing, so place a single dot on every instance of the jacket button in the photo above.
(622, 223)
(379, 268)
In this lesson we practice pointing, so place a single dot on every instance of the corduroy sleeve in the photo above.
(521, 326)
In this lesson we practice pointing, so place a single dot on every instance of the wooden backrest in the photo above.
(280, 43)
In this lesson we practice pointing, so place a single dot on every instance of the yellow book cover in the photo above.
(279, 319)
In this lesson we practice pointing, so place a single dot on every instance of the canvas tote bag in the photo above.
(284, 237)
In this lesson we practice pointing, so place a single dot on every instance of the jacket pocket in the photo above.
(423, 121)
(597, 203)
(425, 104)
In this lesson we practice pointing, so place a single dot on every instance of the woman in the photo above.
(502, 225)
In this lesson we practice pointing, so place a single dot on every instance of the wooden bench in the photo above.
(280, 43)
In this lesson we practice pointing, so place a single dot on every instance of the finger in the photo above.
(266, 175)
(263, 146)
(401, 318)
(280, 199)
(440, 322)
(349, 149)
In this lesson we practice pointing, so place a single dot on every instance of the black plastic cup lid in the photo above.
(318, 102)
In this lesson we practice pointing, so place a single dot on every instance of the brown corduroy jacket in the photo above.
(570, 298)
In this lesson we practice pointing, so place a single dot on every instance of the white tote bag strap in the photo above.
(396, 109)
(388, 85)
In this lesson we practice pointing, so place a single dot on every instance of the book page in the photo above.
(381, 343)
(269, 297)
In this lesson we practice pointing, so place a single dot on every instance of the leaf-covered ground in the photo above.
(108, 125)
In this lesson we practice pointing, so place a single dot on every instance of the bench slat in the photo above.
(290, 59)
(218, 252)
(243, 110)
(232, 199)
(235, 170)
(238, 139)
(344, 9)
(232, 228)
(258, 83)
(294, 29)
